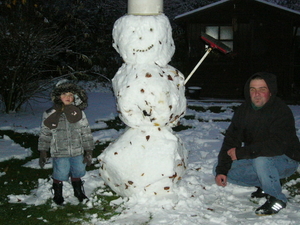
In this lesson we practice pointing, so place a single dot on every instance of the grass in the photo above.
(295, 188)
(20, 180)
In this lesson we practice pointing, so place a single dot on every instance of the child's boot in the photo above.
(78, 190)
(58, 198)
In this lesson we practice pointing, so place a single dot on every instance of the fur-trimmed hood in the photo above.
(80, 96)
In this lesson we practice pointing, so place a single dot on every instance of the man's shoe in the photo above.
(271, 206)
(259, 193)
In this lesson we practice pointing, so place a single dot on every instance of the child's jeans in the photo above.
(65, 167)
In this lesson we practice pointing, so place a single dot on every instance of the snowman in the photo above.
(148, 158)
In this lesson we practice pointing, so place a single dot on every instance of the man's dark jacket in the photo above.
(268, 131)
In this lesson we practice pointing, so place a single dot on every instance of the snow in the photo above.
(158, 95)
(16, 151)
(199, 200)
(143, 162)
(144, 39)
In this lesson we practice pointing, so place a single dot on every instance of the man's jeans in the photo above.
(263, 172)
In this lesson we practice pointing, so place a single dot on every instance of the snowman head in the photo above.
(144, 39)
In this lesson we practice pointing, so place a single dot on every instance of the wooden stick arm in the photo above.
(198, 64)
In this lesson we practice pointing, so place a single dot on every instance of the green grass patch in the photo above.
(19, 180)
(295, 188)
(189, 117)
(46, 214)
(116, 123)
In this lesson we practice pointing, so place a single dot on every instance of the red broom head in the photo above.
(215, 44)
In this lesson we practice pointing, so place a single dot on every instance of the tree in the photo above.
(26, 56)
(30, 51)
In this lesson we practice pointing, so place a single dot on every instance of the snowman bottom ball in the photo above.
(144, 162)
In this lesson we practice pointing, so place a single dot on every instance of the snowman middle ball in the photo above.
(149, 95)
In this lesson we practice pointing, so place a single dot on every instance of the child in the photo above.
(66, 132)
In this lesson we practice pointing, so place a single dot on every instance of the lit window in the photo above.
(221, 33)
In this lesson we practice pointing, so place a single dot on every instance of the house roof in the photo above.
(225, 9)
(207, 7)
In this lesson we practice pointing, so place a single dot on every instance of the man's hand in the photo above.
(232, 154)
(221, 180)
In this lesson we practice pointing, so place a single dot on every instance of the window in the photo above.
(221, 33)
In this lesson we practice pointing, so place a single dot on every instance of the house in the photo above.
(263, 37)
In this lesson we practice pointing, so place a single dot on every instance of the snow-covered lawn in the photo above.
(198, 200)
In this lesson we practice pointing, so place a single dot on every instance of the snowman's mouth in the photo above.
(143, 50)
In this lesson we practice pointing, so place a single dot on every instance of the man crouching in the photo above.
(260, 146)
